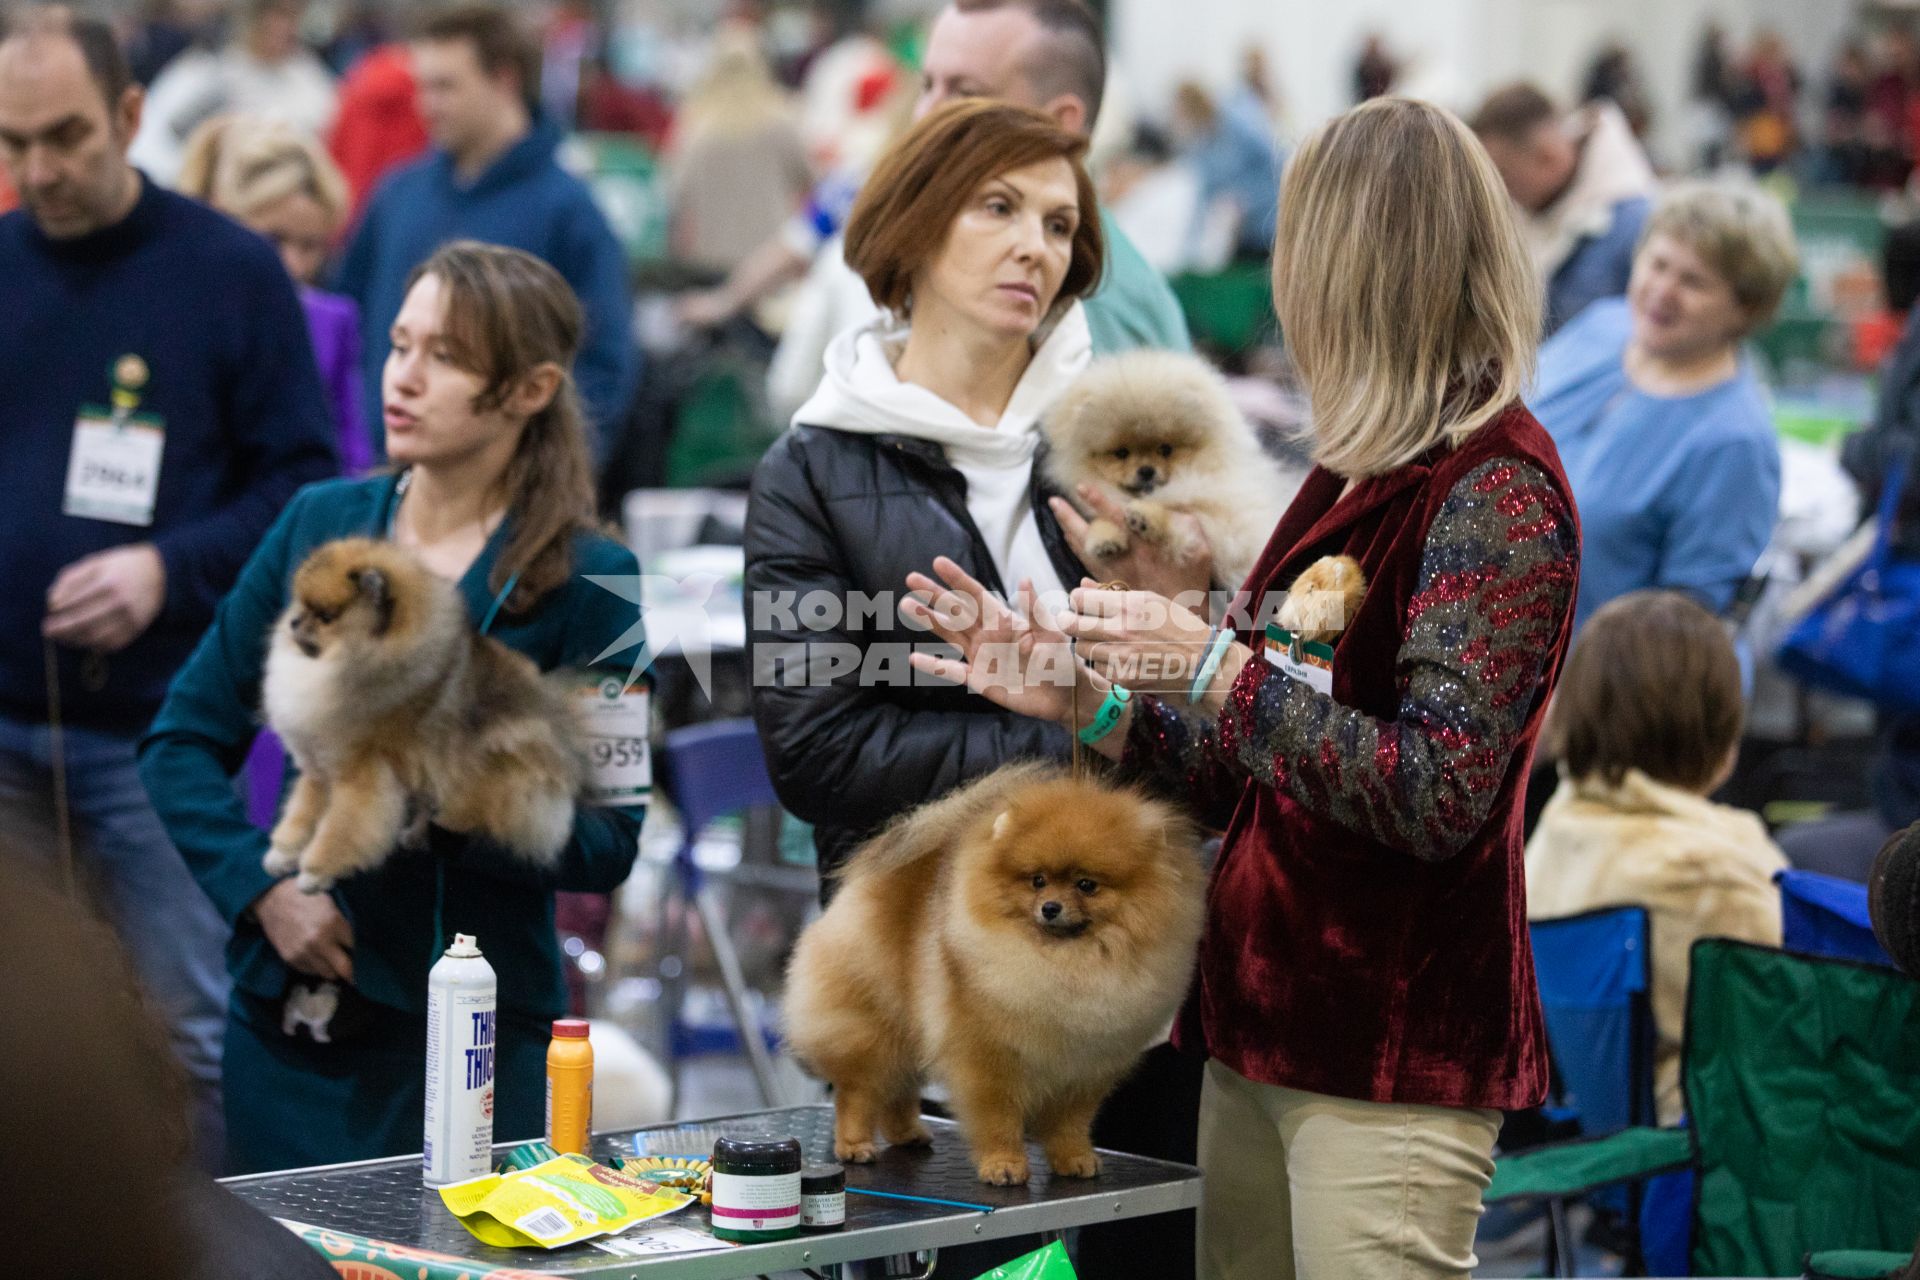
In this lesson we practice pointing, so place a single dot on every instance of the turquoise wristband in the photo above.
(1217, 645)
(1107, 716)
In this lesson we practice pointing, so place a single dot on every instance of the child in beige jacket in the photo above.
(1645, 726)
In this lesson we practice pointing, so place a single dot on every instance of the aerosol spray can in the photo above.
(460, 1055)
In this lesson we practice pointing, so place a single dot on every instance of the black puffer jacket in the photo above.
(840, 513)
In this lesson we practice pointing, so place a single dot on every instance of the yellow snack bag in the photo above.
(559, 1202)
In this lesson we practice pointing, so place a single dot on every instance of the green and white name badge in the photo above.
(616, 720)
(113, 470)
(1310, 663)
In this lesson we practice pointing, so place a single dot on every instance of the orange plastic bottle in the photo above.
(570, 1088)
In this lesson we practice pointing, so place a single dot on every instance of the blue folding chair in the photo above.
(1595, 974)
(709, 771)
(1823, 915)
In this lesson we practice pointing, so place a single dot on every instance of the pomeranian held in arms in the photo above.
(1157, 432)
(1022, 941)
(398, 715)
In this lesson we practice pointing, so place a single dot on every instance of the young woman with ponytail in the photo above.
(491, 486)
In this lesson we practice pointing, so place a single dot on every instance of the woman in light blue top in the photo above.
(1663, 426)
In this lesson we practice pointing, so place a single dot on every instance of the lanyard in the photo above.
(493, 610)
(500, 598)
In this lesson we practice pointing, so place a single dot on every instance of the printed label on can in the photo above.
(756, 1202)
(459, 1102)
(829, 1210)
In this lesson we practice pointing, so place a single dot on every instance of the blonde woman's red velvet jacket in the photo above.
(1366, 932)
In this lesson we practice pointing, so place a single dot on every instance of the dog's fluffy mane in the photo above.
(930, 827)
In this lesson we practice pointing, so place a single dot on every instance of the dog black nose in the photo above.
(1050, 910)
(1146, 473)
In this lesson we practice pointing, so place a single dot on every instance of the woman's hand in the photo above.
(1137, 638)
(1146, 565)
(1014, 660)
(307, 930)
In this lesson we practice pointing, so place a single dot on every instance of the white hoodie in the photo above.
(1613, 167)
(861, 393)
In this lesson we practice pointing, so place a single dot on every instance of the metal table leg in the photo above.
(751, 1037)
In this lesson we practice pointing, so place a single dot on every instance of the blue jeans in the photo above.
(138, 880)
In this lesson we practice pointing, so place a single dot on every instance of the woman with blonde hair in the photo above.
(738, 168)
(280, 183)
(1365, 988)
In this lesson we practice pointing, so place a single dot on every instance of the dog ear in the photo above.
(1001, 823)
(373, 586)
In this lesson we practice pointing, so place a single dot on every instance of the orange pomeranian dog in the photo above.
(1324, 599)
(397, 713)
(1022, 941)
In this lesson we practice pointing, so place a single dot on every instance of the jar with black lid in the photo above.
(756, 1189)
(823, 1198)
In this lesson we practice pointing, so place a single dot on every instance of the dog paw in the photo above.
(279, 861)
(1105, 539)
(308, 882)
(1004, 1171)
(853, 1152)
(1075, 1164)
(1149, 520)
(917, 1136)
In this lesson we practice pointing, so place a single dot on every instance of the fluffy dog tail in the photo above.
(540, 826)
(929, 828)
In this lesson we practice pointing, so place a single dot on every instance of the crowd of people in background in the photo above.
(802, 102)
(1754, 103)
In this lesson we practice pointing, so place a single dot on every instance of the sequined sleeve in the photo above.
(1496, 581)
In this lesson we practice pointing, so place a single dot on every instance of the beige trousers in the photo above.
(1305, 1185)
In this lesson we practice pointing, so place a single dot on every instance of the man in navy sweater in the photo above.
(491, 176)
(159, 404)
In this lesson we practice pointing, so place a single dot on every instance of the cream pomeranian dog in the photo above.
(397, 713)
(1022, 941)
(1157, 431)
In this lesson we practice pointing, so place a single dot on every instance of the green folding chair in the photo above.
(720, 427)
(1229, 310)
(1802, 1080)
(1860, 1264)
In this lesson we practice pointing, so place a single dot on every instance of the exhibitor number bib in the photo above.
(617, 721)
(113, 471)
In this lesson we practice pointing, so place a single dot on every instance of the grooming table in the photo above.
(384, 1199)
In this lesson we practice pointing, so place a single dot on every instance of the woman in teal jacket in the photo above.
(326, 1035)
